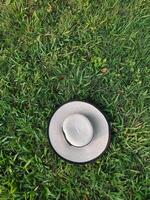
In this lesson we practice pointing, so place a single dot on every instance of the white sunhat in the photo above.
(78, 132)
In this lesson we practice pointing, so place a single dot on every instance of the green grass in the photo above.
(54, 51)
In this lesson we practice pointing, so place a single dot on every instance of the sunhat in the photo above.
(78, 132)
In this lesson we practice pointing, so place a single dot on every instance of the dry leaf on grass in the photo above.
(104, 70)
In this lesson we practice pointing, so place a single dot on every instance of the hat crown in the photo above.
(78, 130)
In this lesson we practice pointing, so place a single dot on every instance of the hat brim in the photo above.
(99, 142)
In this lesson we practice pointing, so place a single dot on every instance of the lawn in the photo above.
(55, 51)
